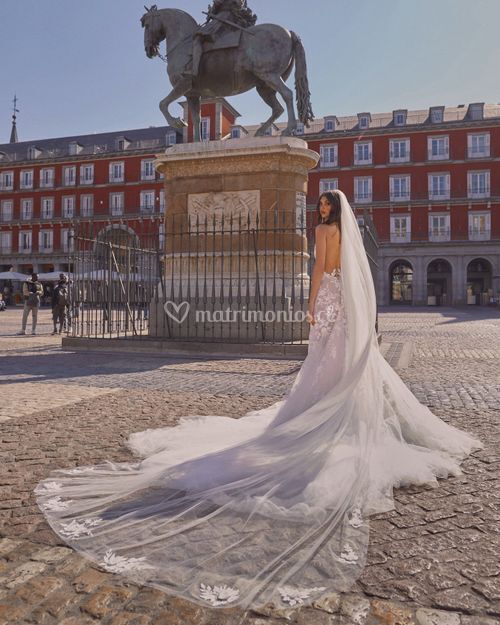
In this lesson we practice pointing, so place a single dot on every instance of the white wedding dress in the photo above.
(272, 506)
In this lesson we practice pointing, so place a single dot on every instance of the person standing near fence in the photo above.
(32, 293)
(60, 303)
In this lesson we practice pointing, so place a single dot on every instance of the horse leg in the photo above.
(194, 107)
(276, 83)
(178, 91)
(269, 97)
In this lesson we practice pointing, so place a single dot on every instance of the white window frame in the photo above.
(472, 152)
(235, 133)
(399, 119)
(46, 177)
(116, 204)
(171, 138)
(29, 237)
(148, 201)
(365, 195)
(47, 208)
(478, 233)
(117, 171)
(5, 242)
(329, 155)
(87, 205)
(26, 179)
(45, 236)
(67, 240)
(205, 129)
(364, 122)
(84, 169)
(328, 184)
(7, 181)
(474, 193)
(399, 196)
(445, 195)
(442, 232)
(393, 158)
(69, 176)
(437, 116)
(438, 156)
(400, 234)
(162, 201)
(148, 164)
(26, 209)
(68, 206)
(6, 210)
(366, 159)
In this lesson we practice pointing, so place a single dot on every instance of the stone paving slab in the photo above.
(31, 397)
(432, 561)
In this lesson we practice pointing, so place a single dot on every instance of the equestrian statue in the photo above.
(228, 55)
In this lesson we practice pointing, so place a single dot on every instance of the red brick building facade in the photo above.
(430, 180)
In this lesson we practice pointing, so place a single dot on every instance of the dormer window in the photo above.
(437, 114)
(171, 138)
(121, 143)
(33, 152)
(399, 118)
(476, 111)
(331, 123)
(235, 133)
(364, 120)
(300, 129)
(271, 130)
(74, 148)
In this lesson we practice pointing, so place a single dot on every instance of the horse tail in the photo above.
(302, 92)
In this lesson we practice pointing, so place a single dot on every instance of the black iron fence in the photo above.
(200, 278)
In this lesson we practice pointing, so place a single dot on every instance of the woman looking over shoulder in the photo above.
(327, 247)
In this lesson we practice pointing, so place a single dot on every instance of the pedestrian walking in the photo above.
(32, 294)
(60, 303)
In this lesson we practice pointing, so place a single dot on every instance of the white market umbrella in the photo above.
(14, 275)
(54, 275)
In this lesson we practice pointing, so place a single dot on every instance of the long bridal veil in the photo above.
(272, 506)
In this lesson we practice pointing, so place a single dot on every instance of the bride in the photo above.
(272, 506)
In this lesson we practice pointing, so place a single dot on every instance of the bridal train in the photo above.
(274, 505)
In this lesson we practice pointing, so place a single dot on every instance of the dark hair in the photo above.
(334, 216)
(34, 276)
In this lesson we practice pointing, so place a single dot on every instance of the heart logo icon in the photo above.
(173, 310)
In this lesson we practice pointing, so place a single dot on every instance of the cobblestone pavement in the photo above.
(434, 560)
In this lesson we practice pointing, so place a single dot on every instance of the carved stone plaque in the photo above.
(209, 209)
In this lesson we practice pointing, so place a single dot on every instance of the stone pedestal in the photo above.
(235, 221)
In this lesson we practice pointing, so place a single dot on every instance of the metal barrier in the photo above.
(242, 279)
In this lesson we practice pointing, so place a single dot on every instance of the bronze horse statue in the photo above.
(263, 59)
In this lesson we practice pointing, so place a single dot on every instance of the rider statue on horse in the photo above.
(229, 54)
(222, 15)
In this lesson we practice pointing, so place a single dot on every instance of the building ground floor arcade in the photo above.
(439, 274)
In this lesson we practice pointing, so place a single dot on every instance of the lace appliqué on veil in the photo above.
(297, 596)
(120, 564)
(219, 595)
(77, 529)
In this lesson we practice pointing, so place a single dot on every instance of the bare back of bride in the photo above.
(273, 506)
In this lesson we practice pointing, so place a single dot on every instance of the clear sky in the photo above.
(78, 66)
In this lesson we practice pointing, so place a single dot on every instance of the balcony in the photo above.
(401, 237)
(479, 193)
(404, 196)
(439, 234)
(478, 234)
